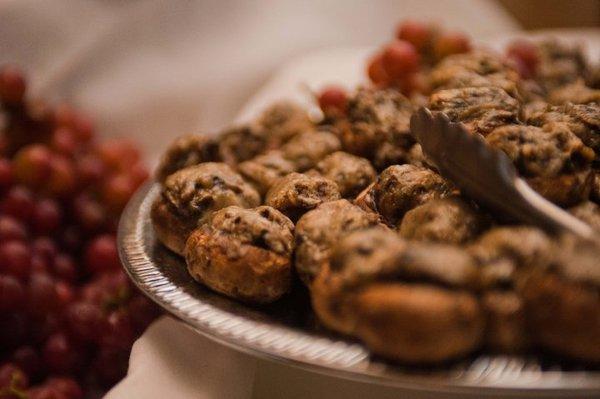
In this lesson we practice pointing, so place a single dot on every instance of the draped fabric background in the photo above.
(152, 70)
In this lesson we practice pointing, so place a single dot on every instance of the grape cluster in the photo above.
(524, 56)
(69, 313)
(416, 46)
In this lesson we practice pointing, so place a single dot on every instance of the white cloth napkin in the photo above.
(171, 361)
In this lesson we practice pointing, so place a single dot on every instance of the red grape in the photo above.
(12, 376)
(45, 326)
(64, 268)
(119, 154)
(119, 330)
(101, 255)
(377, 72)
(139, 174)
(46, 217)
(90, 169)
(62, 179)
(67, 386)
(64, 115)
(45, 392)
(15, 259)
(89, 212)
(13, 330)
(39, 264)
(333, 99)
(518, 65)
(42, 294)
(400, 58)
(451, 43)
(59, 354)
(67, 190)
(83, 127)
(12, 85)
(72, 239)
(64, 293)
(413, 83)
(27, 359)
(85, 320)
(4, 145)
(31, 165)
(11, 229)
(64, 141)
(416, 33)
(12, 293)
(142, 311)
(6, 174)
(526, 56)
(110, 364)
(117, 190)
(108, 290)
(45, 248)
(18, 202)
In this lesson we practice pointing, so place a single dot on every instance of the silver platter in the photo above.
(288, 332)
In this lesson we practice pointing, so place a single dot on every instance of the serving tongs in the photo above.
(486, 174)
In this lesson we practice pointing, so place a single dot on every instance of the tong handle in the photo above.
(487, 174)
(549, 215)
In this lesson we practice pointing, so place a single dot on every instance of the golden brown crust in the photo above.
(574, 93)
(334, 309)
(297, 193)
(450, 220)
(318, 230)
(365, 200)
(400, 188)
(186, 151)
(474, 69)
(170, 230)
(351, 173)
(283, 120)
(306, 149)
(258, 276)
(583, 120)
(560, 64)
(506, 323)
(407, 301)
(374, 119)
(264, 170)
(552, 159)
(393, 317)
(589, 212)
(563, 315)
(481, 109)
(502, 252)
(241, 143)
(243, 253)
(564, 190)
(190, 195)
(595, 191)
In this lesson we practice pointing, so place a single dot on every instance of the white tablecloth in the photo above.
(173, 362)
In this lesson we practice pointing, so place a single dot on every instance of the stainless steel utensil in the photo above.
(487, 174)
